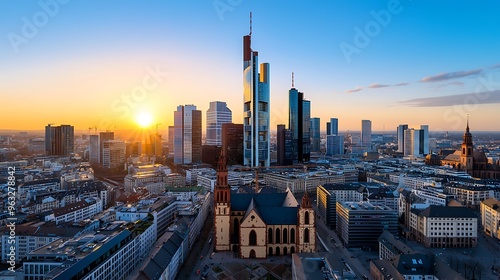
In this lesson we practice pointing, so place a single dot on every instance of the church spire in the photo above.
(467, 128)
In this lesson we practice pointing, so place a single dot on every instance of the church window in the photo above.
(306, 217)
(278, 236)
(292, 235)
(285, 236)
(253, 238)
(306, 235)
(270, 235)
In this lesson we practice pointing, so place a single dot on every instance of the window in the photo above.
(285, 236)
(253, 238)
(278, 236)
(306, 235)
(292, 235)
(270, 236)
(306, 217)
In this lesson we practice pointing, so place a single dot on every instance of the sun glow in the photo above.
(144, 119)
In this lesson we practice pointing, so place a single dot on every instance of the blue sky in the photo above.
(86, 56)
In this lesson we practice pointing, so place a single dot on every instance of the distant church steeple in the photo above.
(466, 155)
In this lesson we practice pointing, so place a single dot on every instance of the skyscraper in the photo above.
(59, 140)
(94, 149)
(113, 153)
(284, 145)
(255, 107)
(104, 136)
(416, 141)
(217, 114)
(400, 137)
(315, 135)
(299, 121)
(187, 135)
(232, 142)
(334, 145)
(366, 133)
(332, 127)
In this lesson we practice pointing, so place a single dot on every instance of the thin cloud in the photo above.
(376, 85)
(450, 75)
(354, 90)
(495, 66)
(485, 97)
(401, 84)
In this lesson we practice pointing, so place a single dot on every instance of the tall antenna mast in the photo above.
(250, 24)
(292, 81)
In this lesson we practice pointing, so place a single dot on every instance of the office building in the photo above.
(232, 142)
(284, 145)
(416, 141)
(315, 135)
(104, 136)
(299, 121)
(329, 194)
(360, 224)
(334, 145)
(187, 135)
(366, 133)
(444, 226)
(332, 127)
(490, 217)
(94, 149)
(113, 154)
(59, 140)
(401, 137)
(217, 114)
(256, 107)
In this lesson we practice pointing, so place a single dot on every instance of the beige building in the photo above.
(258, 225)
(444, 226)
(490, 217)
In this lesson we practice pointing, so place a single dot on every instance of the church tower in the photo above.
(222, 206)
(306, 226)
(466, 156)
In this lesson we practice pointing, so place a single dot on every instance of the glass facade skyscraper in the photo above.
(217, 114)
(256, 106)
(315, 135)
(299, 122)
(366, 133)
(332, 127)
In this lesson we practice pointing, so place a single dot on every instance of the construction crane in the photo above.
(90, 128)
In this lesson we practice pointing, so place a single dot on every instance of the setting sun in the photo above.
(144, 119)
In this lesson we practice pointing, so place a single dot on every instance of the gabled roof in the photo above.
(289, 200)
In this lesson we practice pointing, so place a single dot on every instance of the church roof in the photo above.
(279, 215)
(290, 200)
(454, 157)
(271, 207)
(240, 201)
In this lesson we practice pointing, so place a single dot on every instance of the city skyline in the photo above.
(103, 67)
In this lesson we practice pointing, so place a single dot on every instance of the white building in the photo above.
(78, 211)
(444, 226)
(490, 217)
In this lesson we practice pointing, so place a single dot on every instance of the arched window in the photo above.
(236, 228)
(306, 235)
(278, 239)
(270, 251)
(253, 238)
(252, 254)
(285, 236)
(278, 251)
(292, 235)
(285, 251)
(270, 236)
(306, 217)
(292, 250)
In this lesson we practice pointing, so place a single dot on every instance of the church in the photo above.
(259, 225)
(474, 162)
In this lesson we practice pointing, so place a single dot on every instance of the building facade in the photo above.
(232, 142)
(299, 121)
(366, 133)
(359, 224)
(315, 135)
(59, 140)
(113, 154)
(490, 217)
(217, 115)
(256, 107)
(187, 135)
